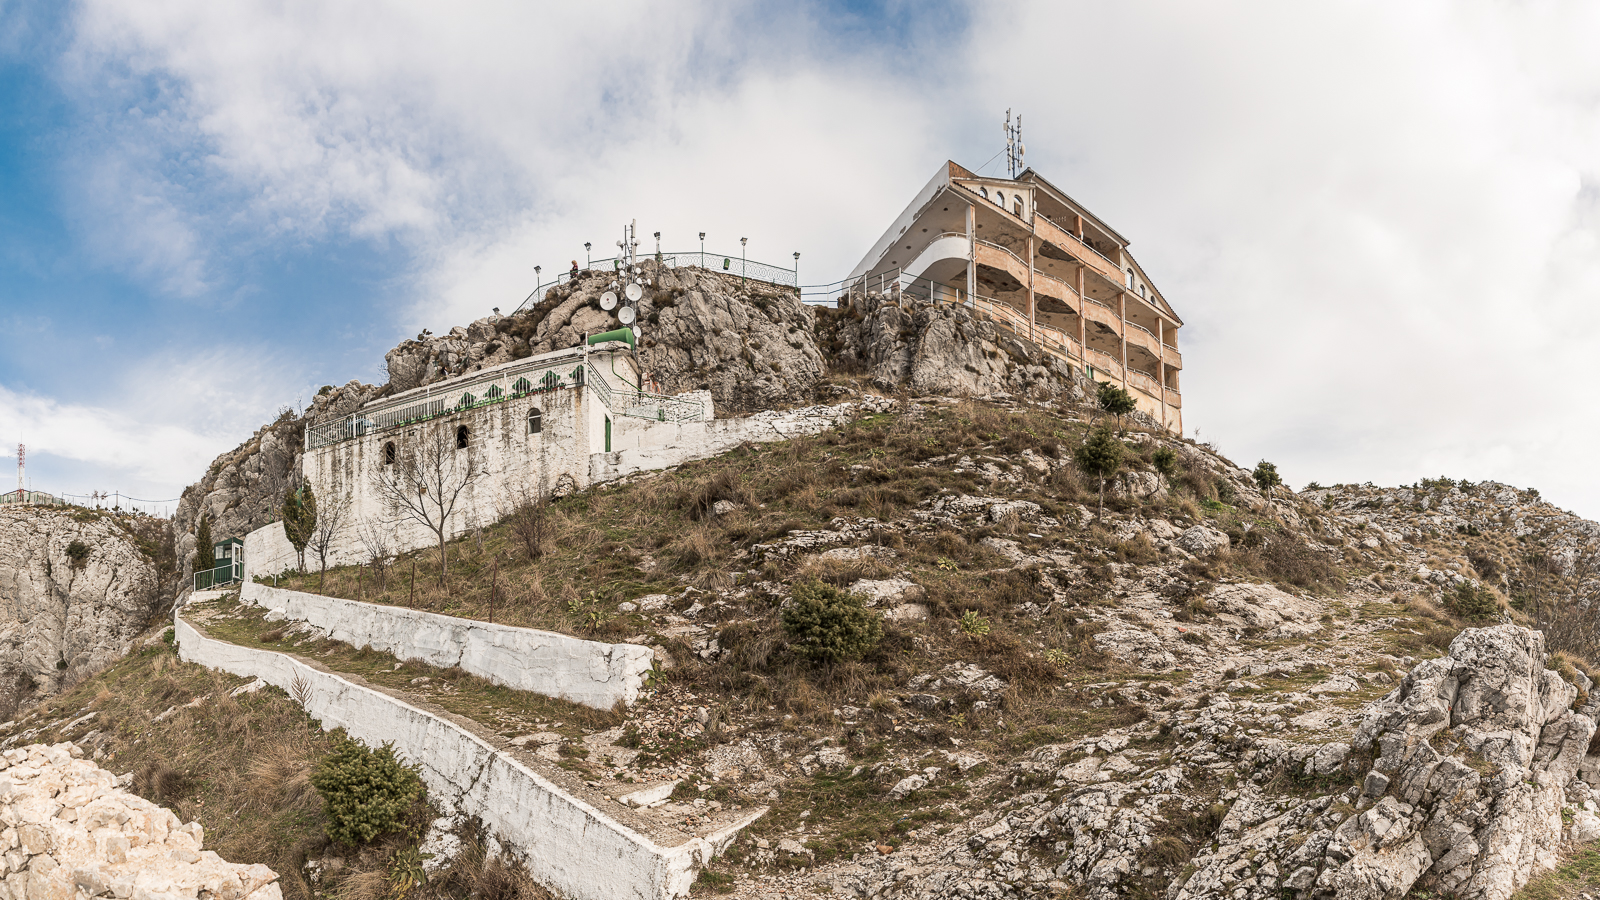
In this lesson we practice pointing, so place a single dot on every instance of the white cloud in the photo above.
(1378, 220)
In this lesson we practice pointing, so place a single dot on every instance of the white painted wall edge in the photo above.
(566, 844)
(543, 662)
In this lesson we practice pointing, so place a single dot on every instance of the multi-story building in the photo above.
(1022, 253)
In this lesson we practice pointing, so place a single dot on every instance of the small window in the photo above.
(388, 453)
(1000, 198)
(1141, 291)
(983, 192)
(535, 421)
(1016, 206)
(463, 437)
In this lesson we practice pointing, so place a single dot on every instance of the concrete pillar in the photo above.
(1122, 313)
(1032, 303)
(1161, 365)
(972, 256)
(1083, 326)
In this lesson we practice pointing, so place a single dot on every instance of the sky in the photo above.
(1380, 222)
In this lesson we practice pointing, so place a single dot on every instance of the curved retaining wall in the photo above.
(542, 662)
(568, 845)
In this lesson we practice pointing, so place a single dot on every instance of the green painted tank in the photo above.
(621, 334)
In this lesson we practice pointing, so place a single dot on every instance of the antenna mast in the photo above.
(22, 463)
(1014, 147)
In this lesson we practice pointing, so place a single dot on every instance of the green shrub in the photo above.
(1165, 461)
(1266, 476)
(366, 793)
(1472, 603)
(78, 552)
(826, 624)
(973, 625)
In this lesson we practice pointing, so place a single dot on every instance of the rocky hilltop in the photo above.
(75, 587)
(754, 346)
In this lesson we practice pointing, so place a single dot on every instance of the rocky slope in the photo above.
(939, 350)
(75, 587)
(753, 345)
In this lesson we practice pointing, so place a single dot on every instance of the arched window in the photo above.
(983, 192)
(1130, 278)
(1000, 198)
(1016, 206)
(463, 437)
(388, 453)
(535, 421)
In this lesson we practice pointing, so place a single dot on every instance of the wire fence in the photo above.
(724, 263)
(113, 501)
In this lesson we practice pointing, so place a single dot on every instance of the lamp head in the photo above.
(702, 235)
(658, 235)
(743, 241)
(586, 246)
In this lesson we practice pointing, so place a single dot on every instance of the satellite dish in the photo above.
(634, 292)
(637, 270)
(608, 300)
(636, 331)
(625, 315)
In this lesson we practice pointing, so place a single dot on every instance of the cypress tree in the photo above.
(300, 519)
(1100, 457)
(205, 555)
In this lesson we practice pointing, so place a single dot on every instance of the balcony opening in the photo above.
(463, 437)
(388, 453)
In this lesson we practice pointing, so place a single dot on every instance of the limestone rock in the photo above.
(1203, 540)
(60, 619)
(84, 836)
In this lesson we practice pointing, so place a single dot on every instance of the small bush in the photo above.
(1473, 603)
(366, 793)
(1165, 461)
(826, 624)
(1266, 476)
(78, 552)
(973, 625)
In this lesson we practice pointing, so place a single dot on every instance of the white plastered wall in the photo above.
(566, 844)
(543, 662)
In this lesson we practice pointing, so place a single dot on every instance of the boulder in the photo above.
(1202, 540)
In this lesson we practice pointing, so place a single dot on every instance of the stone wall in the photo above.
(555, 665)
(566, 844)
(73, 833)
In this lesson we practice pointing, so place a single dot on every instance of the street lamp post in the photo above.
(743, 259)
(658, 248)
(587, 262)
(537, 282)
(702, 249)
(797, 291)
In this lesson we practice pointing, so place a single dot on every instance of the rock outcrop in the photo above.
(75, 588)
(243, 489)
(751, 344)
(940, 350)
(1474, 761)
(71, 832)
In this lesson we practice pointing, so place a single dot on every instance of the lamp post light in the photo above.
(702, 249)
(658, 247)
(797, 291)
(743, 259)
(587, 262)
(537, 282)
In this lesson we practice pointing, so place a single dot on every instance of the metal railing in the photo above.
(228, 573)
(1007, 251)
(1086, 245)
(1145, 330)
(723, 263)
(461, 394)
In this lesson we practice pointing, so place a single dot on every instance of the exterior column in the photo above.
(1083, 327)
(972, 257)
(1122, 313)
(1032, 303)
(1161, 365)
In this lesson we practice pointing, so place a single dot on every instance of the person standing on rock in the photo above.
(574, 272)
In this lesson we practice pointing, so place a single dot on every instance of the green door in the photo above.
(608, 434)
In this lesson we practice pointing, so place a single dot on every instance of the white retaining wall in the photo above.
(555, 665)
(645, 447)
(568, 845)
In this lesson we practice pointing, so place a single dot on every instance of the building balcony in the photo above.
(1079, 250)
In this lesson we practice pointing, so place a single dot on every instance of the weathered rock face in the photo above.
(78, 835)
(940, 350)
(1474, 757)
(751, 344)
(62, 616)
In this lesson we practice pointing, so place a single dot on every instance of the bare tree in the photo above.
(425, 484)
(330, 522)
(375, 538)
(530, 522)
